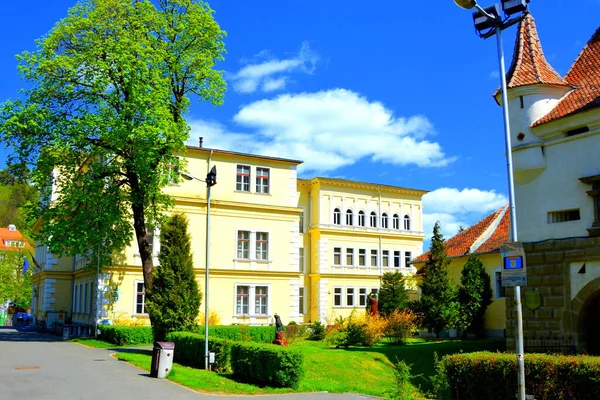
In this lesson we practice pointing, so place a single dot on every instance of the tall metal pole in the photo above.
(206, 354)
(513, 214)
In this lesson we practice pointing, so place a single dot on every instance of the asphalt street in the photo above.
(39, 366)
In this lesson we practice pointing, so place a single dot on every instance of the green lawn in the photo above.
(357, 369)
(101, 344)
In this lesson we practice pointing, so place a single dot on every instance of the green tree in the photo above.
(110, 85)
(174, 300)
(393, 294)
(438, 294)
(16, 198)
(15, 286)
(474, 294)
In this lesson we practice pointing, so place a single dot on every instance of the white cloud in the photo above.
(271, 73)
(454, 208)
(495, 74)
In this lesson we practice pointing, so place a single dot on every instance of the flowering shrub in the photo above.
(357, 330)
(400, 325)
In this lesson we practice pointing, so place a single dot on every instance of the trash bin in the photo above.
(162, 359)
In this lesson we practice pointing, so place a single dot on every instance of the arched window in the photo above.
(361, 218)
(384, 221)
(406, 223)
(373, 219)
(349, 218)
(337, 217)
(396, 221)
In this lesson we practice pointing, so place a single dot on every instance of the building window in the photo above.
(75, 299)
(362, 257)
(594, 180)
(397, 259)
(85, 297)
(337, 256)
(262, 246)
(260, 300)
(301, 223)
(301, 260)
(362, 296)
(385, 258)
(384, 221)
(337, 217)
(301, 300)
(407, 258)
(396, 221)
(79, 304)
(349, 218)
(373, 220)
(375, 292)
(150, 239)
(500, 291)
(350, 257)
(406, 223)
(242, 182)
(91, 297)
(243, 245)
(563, 216)
(242, 300)
(350, 297)
(373, 258)
(361, 218)
(140, 298)
(262, 180)
(337, 296)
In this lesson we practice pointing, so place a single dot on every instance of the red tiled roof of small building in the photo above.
(585, 76)
(529, 65)
(461, 243)
(8, 234)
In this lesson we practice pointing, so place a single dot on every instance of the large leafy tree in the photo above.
(393, 294)
(174, 300)
(14, 285)
(16, 197)
(110, 85)
(474, 294)
(438, 294)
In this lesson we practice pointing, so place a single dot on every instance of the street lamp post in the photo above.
(211, 180)
(489, 22)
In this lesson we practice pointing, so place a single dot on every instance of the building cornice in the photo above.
(348, 184)
(225, 204)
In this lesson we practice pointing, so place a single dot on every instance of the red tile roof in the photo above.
(585, 76)
(529, 66)
(462, 243)
(7, 234)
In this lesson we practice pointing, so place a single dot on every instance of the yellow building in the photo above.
(482, 240)
(305, 249)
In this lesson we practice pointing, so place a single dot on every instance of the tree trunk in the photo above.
(139, 226)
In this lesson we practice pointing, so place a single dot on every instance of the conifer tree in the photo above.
(393, 294)
(175, 299)
(474, 294)
(438, 294)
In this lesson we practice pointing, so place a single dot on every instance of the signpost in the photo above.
(514, 265)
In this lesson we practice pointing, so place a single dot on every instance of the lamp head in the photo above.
(466, 4)
(186, 176)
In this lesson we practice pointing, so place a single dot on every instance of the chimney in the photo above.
(200, 141)
(12, 228)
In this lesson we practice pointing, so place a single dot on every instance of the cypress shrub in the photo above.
(173, 302)
(493, 376)
(266, 364)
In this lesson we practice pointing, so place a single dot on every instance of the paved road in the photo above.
(36, 366)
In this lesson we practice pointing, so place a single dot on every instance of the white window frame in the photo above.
(407, 222)
(407, 258)
(364, 264)
(75, 292)
(396, 222)
(336, 294)
(335, 253)
(242, 176)
(373, 219)
(301, 259)
(362, 221)
(240, 252)
(85, 297)
(385, 258)
(349, 217)
(91, 304)
(374, 290)
(262, 254)
(374, 252)
(135, 300)
(261, 184)
(350, 295)
(397, 259)
(301, 300)
(349, 256)
(362, 297)
(385, 223)
(337, 216)
(301, 222)
(79, 308)
(252, 299)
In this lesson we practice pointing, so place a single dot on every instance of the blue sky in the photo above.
(390, 92)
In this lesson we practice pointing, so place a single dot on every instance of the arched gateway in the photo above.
(586, 309)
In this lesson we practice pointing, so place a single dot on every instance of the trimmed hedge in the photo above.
(126, 335)
(238, 333)
(267, 364)
(492, 376)
(189, 350)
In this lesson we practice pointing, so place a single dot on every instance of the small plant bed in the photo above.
(364, 370)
